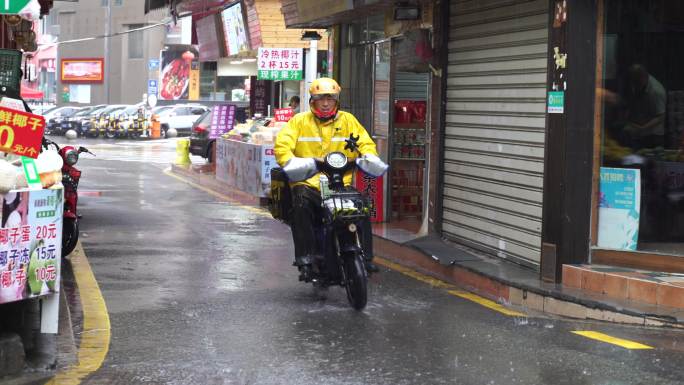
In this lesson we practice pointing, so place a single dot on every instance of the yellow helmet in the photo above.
(323, 86)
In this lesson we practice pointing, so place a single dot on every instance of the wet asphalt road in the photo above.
(201, 291)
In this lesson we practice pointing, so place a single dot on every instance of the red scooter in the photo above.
(70, 178)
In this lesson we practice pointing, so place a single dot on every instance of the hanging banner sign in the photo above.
(194, 91)
(222, 120)
(283, 114)
(619, 208)
(21, 133)
(280, 64)
(372, 187)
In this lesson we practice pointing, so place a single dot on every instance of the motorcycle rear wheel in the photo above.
(69, 235)
(357, 282)
(110, 134)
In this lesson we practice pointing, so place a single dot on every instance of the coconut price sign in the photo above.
(21, 133)
(280, 64)
(12, 7)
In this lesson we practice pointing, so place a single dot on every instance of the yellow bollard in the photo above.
(183, 152)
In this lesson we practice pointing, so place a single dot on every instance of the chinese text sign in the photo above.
(222, 120)
(619, 208)
(21, 132)
(280, 64)
(373, 188)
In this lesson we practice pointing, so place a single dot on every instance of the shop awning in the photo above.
(30, 93)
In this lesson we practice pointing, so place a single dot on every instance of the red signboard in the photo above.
(21, 133)
(372, 187)
(82, 70)
(283, 114)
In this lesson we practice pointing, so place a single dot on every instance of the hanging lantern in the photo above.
(30, 46)
(12, 20)
(23, 32)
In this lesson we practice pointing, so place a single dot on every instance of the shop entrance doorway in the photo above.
(409, 152)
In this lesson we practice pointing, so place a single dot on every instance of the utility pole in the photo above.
(107, 64)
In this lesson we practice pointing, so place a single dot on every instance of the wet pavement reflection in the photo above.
(202, 291)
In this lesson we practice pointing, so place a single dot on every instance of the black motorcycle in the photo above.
(339, 242)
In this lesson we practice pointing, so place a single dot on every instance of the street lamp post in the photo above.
(312, 37)
(107, 45)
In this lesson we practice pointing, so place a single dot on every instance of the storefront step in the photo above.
(521, 288)
(653, 288)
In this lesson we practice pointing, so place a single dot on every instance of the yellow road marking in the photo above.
(381, 261)
(209, 191)
(96, 328)
(413, 274)
(487, 303)
(451, 289)
(627, 344)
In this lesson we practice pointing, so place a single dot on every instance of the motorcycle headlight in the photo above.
(71, 157)
(336, 160)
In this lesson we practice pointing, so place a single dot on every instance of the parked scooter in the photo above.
(344, 209)
(70, 177)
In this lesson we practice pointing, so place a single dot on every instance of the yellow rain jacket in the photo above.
(304, 136)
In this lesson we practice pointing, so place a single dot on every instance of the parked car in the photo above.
(180, 116)
(40, 109)
(75, 121)
(200, 144)
(55, 118)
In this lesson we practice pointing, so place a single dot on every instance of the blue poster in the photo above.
(619, 208)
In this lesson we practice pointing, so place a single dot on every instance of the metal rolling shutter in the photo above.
(494, 144)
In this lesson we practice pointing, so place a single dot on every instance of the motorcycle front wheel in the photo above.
(357, 282)
(69, 235)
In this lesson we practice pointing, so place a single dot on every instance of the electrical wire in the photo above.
(113, 34)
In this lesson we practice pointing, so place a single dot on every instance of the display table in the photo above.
(245, 166)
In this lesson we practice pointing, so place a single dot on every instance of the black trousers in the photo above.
(306, 214)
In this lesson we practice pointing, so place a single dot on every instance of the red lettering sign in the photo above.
(372, 187)
(283, 114)
(21, 132)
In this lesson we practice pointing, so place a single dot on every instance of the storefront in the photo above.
(640, 123)
(613, 163)
(382, 66)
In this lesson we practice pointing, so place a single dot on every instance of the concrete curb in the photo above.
(553, 299)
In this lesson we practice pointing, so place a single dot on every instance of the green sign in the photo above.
(31, 173)
(279, 75)
(12, 7)
(556, 102)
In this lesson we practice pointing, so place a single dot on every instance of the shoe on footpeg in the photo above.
(305, 273)
(371, 267)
